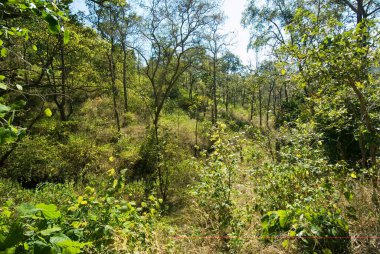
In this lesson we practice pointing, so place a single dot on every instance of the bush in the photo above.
(35, 160)
(35, 229)
(214, 188)
(40, 159)
(101, 219)
(316, 231)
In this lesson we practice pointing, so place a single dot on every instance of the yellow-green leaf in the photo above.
(4, 52)
(66, 36)
(48, 112)
(359, 85)
(285, 244)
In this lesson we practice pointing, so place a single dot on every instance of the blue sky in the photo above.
(233, 9)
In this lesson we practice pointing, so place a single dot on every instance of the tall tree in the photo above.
(215, 44)
(125, 25)
(170, 31)
(363, 9)
(104, 16)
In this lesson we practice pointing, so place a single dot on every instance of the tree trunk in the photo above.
(113, 85)
(196, 135)
(268, 104)
(125, 88)
(215, 103)
(252, 106)
(274, 99)
(62, 104)
(360, 14)
(260, 107)
(190, 86)
(371, 144)
(227, 98)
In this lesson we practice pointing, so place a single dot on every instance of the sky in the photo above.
(233, 10)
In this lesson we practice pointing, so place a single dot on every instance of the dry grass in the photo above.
(367, 224)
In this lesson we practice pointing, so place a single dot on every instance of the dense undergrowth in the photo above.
(234, 198)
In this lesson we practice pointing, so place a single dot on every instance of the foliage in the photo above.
(214, 190)
(35, 229)
(316, 230)
(45, 11)
(76, 182)
(94, 220)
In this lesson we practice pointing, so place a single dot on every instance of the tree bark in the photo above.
(260, 107)
(125, 88)
(252, 106)
(214, 97)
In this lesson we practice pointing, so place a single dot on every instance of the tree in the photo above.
(340, 72)
(363, 9)
(215, 43)
(9, 13)
(125, 24)
(105, 16)
(230, 66)
(170, 31)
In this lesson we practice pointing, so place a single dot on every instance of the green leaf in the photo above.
(4, 109)
(110, 200)
(18, 104)
(59, 238)
(49, 211)
(48, 112)
(41, 248)
(53, 23)
(353, 175)
(283, 217)
(349, 196)
(4, 52)
(19, 87)
(9, 251)
(3, 86)
(285, 244)
(27, 209)
(66, 37)
(34, 47)
(50, 231)
(2, 77)
(68, 246)
(7, 136)
(315, 230)
(13, 238)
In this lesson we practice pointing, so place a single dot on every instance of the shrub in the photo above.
(316, 230)
(35, 160)
(35, 229)
(214, 188)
